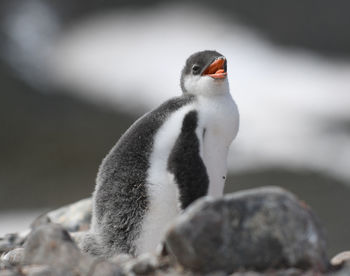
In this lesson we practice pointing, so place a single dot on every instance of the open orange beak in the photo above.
(216, 69)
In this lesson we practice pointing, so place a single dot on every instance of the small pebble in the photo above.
(340, 258)
(37, 270)
(14, 257)
(143, 264)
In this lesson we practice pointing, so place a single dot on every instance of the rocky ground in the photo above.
(265, 231)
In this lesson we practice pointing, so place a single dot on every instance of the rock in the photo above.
(217, 273)
(51, 245)
(143, 264)
(38, 270)
(14, 257)
(74, 217)
(340, 258)
(39, 221)
(247, 273)
(278, 272)
(344, 271)
(106, 269)
(11, 241)
(10, 272)
(147, 264)
(256, 229)
(121, 259)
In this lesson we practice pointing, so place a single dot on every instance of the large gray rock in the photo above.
(256, 229)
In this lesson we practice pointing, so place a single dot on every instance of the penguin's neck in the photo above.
(207, 87)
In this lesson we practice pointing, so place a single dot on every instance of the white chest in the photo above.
(219, 122)
(217, 126)
(219, 116)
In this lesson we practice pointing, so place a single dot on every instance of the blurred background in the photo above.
(75, 74)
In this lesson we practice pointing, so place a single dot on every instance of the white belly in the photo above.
(220, 119)
(161, 187)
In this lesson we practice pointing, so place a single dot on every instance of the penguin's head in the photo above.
(205, 72)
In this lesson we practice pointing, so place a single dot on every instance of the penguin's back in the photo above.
(121, 197)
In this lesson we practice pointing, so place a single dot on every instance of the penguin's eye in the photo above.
(195, 69)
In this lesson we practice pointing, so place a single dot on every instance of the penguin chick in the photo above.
(167, 159)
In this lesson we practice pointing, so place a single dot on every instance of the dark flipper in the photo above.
(121, 198)
(186, 164)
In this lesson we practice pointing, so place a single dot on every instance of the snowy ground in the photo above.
(291, 102)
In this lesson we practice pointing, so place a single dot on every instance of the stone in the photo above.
(106, 269)
(256, 229)
(217, 273)
(121, 259)
(340, 258)
(78, 237)
(43, 219)
(14, 257)
(10, 272)
(38, 270)
(74, 217)
(273, 272)
(142, 265)
(52, 245)
(11, 241)
(344, 270)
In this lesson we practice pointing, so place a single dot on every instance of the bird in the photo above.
(168, 158)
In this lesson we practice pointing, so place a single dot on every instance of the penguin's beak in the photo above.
(217, 69)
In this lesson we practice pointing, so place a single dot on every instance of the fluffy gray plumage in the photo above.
(120, 199)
